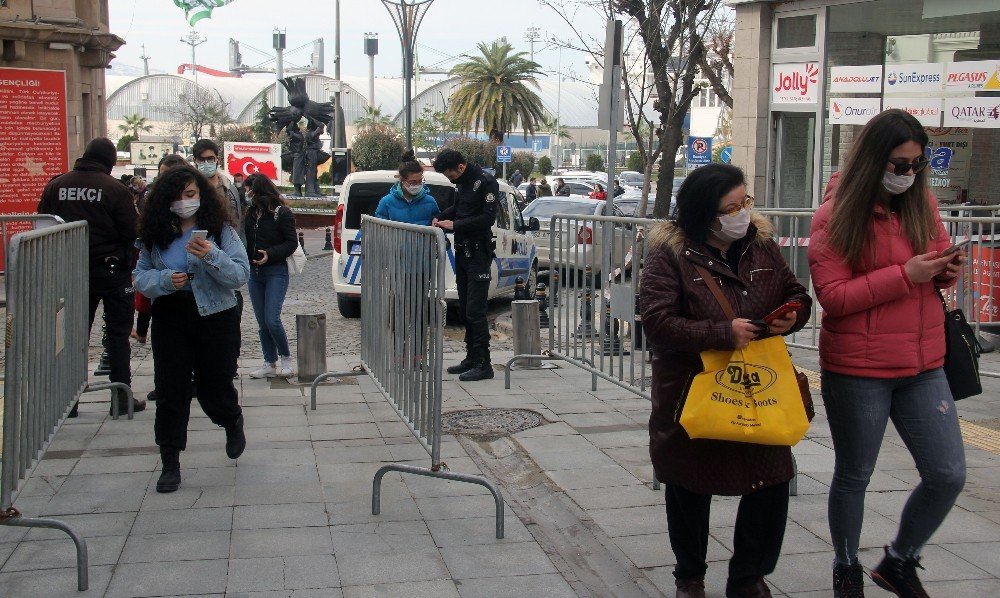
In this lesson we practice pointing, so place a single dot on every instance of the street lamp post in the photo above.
(193, 39)
(407, 15)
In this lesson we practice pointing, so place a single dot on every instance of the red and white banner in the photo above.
(249, 158)
(795, 83)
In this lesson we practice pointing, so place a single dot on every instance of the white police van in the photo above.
(361, 192)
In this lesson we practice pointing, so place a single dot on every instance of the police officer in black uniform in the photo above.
(471, 218)
(90, 193)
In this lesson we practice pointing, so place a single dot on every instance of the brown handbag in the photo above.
(727, 308)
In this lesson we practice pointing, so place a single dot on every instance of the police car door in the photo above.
(513, 258)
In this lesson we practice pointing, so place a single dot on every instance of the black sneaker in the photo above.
(74, 412)
(482, 371)
(236, 440)
(170, 477)
(849, 581)
(899, 576)
(466, 365)
(151, 396)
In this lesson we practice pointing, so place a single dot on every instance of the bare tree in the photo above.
(717, 62)
(201, 109)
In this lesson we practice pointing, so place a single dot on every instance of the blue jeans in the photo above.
(923, 412)
(268, 285)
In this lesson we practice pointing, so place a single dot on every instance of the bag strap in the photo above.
(713, 285)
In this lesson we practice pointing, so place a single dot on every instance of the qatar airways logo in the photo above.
(797, 82)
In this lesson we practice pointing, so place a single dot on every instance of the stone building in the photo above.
(70, 36)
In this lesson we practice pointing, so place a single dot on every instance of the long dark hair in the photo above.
(699, 197)
(265, 195)
(860, 188)
(159, 226)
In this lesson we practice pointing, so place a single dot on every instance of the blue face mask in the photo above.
(208, 168)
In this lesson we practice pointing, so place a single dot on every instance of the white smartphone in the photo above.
(199, 234)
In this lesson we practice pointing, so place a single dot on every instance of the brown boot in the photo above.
(690, 588)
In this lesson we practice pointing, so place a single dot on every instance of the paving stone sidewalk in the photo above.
(292, 518)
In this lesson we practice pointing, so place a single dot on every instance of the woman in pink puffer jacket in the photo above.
(876, 260)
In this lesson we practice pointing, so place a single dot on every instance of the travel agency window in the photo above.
(939, 61)
(796, 103)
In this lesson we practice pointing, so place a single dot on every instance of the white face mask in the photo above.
(185, 208)
(413, 190)
(208, 168)
(897, 183)
(734, 227)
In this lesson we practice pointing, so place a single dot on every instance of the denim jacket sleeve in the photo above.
(150, 281)
(228, 263)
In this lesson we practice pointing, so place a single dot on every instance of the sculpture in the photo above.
(306, 149)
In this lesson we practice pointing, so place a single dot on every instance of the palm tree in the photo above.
(133, 124)
(494, 93)
(373, 116)
(549, 124)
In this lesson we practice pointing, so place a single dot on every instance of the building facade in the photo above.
(811, 73)
(70, 36)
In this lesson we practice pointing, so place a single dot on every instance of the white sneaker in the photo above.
(285, 366)
(265, 371)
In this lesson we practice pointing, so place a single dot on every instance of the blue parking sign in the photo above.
(503, 153)
(699, 150)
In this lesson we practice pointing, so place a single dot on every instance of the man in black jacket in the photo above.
(88, 192)
(471, 218)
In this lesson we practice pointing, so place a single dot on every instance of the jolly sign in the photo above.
(795, 83)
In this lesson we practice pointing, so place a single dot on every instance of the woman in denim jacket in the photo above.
(196, 324)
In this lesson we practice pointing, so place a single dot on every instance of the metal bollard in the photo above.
(527, 335)
(542, 297)
(329, 240)
(554, 297)
(311, 350)
(302, 243)
(586, 326)
(612, 342)
(519, 289)
(588, 276)
(104, 367)
(637, 327)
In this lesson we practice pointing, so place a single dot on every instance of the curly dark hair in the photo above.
(159, 226)
(265, 194)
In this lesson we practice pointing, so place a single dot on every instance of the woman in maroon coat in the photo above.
(715, 229)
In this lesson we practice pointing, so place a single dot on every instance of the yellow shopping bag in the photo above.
(749, 395)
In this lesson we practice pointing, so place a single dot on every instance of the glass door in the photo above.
(792, 174)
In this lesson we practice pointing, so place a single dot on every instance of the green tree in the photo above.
(263, 130)
(549, 124)
(377, 147)
(373, 116)
(123, 143)
(494, 92)
(432, 129)
(133, 124)
(523, 161)
(476, 151)
(545, 165)
(595, 162)
(635, 162)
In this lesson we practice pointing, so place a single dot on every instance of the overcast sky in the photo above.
(451, 27)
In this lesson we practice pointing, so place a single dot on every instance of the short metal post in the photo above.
(329, 240)
(586, 326)
(519, 289)
(554, 295)
(542, 297)
(302, 243)
(104, 367)
(527, 335)
(310, 330)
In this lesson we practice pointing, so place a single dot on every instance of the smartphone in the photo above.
(199, 234)
(950, 250)
(782, 311)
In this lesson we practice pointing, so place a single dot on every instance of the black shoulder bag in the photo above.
(961, 360)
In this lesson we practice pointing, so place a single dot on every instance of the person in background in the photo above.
(561, 189)
(408, 200)
(238, 183)
(877, 265)
(544, 189)
(598, 192)
(516, 179)
(618, 189)
(271, 238)
(717, 231)
(196, 324)
(532, 191)
(90, 193)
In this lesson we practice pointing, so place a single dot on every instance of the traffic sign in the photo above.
(503, 153)
(726, 154)
(699, 150)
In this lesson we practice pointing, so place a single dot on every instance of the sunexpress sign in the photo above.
(914, 78)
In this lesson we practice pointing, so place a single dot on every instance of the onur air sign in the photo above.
(795, 83)
(853, 111)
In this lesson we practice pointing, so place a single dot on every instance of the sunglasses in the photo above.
(746, 204)
(899, 168)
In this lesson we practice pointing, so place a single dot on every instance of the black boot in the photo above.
(899, 576)
(236, 440)
(849, 581)
(467, 364)
(483, 370)
(170, 477)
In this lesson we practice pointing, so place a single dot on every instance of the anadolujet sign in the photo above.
(856, 79)
(910, 78)
(853, 111)
(795, 83)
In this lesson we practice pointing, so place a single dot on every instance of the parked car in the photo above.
(515, 245)
(579, 244)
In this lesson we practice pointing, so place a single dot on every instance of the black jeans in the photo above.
(472, 274)
(118, 296)
(185, 342)
(760, 529)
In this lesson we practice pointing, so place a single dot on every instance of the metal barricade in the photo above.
(36, 221)
(402, 339)
(46, 359)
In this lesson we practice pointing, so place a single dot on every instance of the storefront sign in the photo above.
(977, 113)
(853, 111)
(925, 110)
(909, 78)
(33, 138)
(795, 83)
(856, 79)
(983, 75)
(948, 152)
(250, 158)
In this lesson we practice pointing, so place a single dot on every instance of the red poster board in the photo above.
(33, 138)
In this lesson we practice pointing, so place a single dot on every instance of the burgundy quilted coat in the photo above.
(682, 318)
